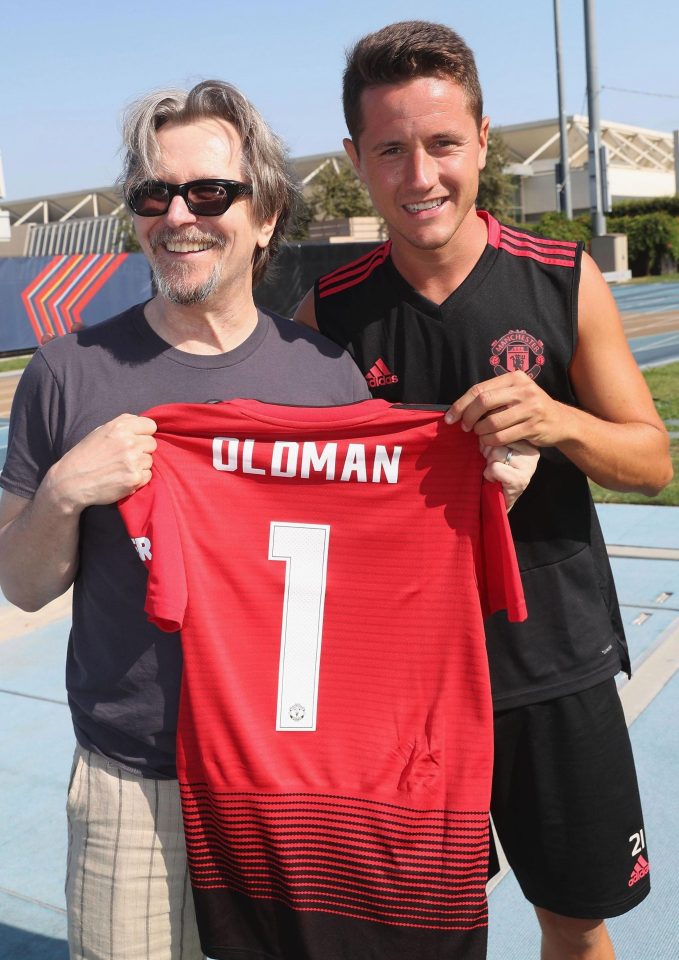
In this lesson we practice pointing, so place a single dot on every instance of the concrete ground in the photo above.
(36, 744)
(643, 542)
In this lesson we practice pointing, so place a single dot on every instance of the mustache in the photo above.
(185, 236)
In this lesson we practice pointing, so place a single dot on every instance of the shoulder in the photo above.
(531, 248)
(597, 305)
(74, 362)
(112, 330)
(352, 276)
(302, 337)
(105, 335)
(313, 361)
(306, 311)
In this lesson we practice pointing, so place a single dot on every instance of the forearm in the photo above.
(39, 539)
(622, 445)
(39, 551)
(620, 456)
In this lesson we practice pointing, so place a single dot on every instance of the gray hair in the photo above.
(264, 156)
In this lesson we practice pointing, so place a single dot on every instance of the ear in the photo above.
(483, 141)
(352, 153)
(265, 231)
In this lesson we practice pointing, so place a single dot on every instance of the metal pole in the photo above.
(565, 185)
(594, 139)
(675, 136)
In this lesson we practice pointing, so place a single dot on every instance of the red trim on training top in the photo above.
(556, 259)
(568, 246)
(493, 227)
(560, 253)
(534, 256)
(353, 273)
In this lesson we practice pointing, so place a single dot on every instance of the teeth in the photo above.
(425, 205)
(175, 247)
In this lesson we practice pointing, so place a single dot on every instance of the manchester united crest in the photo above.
(296, 711)
(517, 350)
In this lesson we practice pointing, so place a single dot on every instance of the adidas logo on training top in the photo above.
(379, 374)
(641, 868)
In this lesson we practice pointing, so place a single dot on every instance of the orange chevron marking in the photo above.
(109, 267)
(55, 299)
(28, 293)
(58, 293)
(68, 264)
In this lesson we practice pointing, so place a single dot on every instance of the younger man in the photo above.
(450, 302)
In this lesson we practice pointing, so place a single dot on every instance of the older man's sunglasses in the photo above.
(204, 198)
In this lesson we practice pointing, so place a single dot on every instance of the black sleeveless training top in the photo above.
(517, 310)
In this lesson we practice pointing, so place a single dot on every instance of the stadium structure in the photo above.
(641, 163)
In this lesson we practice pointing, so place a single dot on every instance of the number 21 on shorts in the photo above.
(304, 550)
(638, 841)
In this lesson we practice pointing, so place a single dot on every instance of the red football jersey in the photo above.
(329, 569)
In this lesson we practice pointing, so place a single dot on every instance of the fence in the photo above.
(47, 296)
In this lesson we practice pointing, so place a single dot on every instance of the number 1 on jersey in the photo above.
(304, 549)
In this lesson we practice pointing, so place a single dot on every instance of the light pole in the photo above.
(564, 178)
(594, 139)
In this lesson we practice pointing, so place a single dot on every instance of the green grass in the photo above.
(665, 278)
(13, 363)
(663, 382)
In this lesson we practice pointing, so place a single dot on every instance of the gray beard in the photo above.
(178, 290)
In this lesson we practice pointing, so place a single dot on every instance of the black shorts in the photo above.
(566, 804)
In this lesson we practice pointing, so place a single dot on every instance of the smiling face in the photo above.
(195, 259)
(419, 153)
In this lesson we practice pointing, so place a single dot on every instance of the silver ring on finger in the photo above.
(508, 459)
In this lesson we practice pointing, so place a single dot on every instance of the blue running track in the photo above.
(646, 297)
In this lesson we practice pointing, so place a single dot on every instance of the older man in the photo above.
(207, 183)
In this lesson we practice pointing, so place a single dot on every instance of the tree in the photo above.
(559, 227)
(653, 242)
(126, 233)
(337, 192)
(496, 188)
(298, 225)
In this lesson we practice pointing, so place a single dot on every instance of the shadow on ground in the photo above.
(16, 944)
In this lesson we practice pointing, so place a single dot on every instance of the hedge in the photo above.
(652, 241)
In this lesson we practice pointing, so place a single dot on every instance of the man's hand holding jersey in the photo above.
(510, 408)
(111, 462)
(512, 466)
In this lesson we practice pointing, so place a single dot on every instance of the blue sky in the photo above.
(67, 69)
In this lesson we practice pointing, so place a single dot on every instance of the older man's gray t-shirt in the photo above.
(123, 674)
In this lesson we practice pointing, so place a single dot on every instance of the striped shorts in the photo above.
(128, 892)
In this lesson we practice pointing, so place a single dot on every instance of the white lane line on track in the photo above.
(654, 673)
(37, 903)
(660, 340)
(642, 553)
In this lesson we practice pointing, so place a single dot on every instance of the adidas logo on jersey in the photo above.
(641, 868)
(380, 375)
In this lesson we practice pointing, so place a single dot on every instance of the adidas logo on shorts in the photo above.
(641, 868)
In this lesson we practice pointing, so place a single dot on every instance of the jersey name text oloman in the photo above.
(290, 459)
